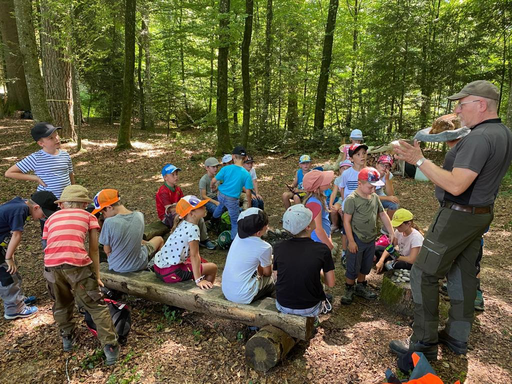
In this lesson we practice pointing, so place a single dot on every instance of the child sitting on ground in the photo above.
(121, 234)
(296, 192)
(408, 242)
(298, 263)
(13, 216)
(360, 223)
(247, 273)
(74, 272)
(335, 201)
(234, 179)
(179, 259)
(167, 197)
(257, 200)
(386, 193)
(205, 189)
(315, 183)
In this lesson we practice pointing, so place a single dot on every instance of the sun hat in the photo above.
(226, 158)
(251, 221)
(189, 203)
(481, 88)
(400, 216)
(304, 159)
(211, 162)
(105, 198)
(370, 175)
(46, 200)
(356, 134)
(345, 163)
(385, 159)
(42, 130)
(316, 179)
(298, 217)
(74, 193)
(169, 168)
(239, 150)
(356, 147)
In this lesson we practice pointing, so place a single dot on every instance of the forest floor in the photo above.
(351, 345)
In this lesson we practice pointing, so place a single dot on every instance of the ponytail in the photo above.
(177, 220)
(413, 225)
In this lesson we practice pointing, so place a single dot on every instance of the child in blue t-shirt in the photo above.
(386, 193)
(234, 178)
(296, 191)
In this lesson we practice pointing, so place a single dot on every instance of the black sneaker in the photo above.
(401, 347)
(456, 346)
(363, 291)
(111, 354)
(208, 244)
(67, 343)
(348, 296)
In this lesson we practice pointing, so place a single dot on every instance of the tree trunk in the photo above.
(28, 48)
(323, 80)
(246, 81)
(123, 139)
(292, 114)
(142, 112)
(353, 71)
(148, 98)
(17, 92)
(267, 70)
(77, 106)
(223, 139)
(182, 60)
(234, 107)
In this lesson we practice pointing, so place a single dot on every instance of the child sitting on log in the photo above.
(179, 259)
(408, 241)
(247, 273)
(296, 191)
(298, 263)
(205, 190)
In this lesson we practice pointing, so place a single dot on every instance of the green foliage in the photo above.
(172, 315)
(92, 360)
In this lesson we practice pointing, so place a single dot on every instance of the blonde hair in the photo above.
(177, 220)
(318, 194)
(74, 204)
(238, 157)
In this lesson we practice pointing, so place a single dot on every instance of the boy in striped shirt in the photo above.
(74, 272)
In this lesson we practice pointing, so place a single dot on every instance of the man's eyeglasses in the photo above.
(459, 104)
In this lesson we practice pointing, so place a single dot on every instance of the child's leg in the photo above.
(10, 292)
(210, 207)
(335, 217)
(64, 301)
(234, 212)
(368, 251)
(209, 270)
(219, 208)
(156, 244)
(286, 199)
(266, 287)
(296, 199)
(203, 231)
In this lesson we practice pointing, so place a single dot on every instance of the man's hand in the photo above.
(12, 266)
(410, 153)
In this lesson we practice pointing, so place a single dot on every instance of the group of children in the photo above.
(293, 271)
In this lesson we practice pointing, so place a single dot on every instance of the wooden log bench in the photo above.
(278, 332)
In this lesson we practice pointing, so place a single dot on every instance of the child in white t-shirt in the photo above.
(386, 193)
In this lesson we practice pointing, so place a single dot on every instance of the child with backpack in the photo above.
(179, 259)
(296, 191)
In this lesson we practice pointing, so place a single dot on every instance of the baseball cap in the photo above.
(345, 163)
(239, 150)
(188, 203)
(46, 200)
(400, 216)
(356, 147)
(298, 217)
(211, 162)
(169, 168)
(249, 159)
(42, 130)
(481, 88)
(356, 134)
(105, 198)
(75, 193)
(316, 179)
(304, 159)
(386, 159)
(370, 175)
(226, 159)
(251, 221)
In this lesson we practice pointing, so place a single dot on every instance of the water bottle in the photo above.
(392, 251)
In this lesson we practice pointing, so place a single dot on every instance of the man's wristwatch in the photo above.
(420, 162)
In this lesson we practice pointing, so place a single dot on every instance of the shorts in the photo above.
(360, 262)
(307, 312)
(175, 273)
(148, 249)
(390, 205)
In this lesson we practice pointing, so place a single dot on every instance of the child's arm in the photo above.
(15, 173)
(195, 259)
(255, 184)
(9, 254)
(213, 183)
(94, 254)
(320, 232)
(264, 271)
(72, 178)
(411, 258)
(380, 263)
(295, 181)
(333, 196)
(330, 279)
(108, 250)
(352, 246)
(204, 196)
(387, 224)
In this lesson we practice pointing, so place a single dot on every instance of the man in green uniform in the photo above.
(466, 188)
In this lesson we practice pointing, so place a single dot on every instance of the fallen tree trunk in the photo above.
(156, 228)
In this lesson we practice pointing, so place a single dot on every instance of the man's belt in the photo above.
(466, 208)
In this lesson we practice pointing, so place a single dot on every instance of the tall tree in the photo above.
(125, 128)
(17, 92)
(323, 80)
(223, 139)
(246, 81)
(267, 70)
(28, 49)
(148, 97)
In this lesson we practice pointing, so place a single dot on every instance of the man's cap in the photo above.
(249, 160)
(74, 193)
(46, 200)
(298, 217)
(356, 134)
(239, 150)
(400, 216)
(226, 158)
(211, 162)
(42, 130)
(354, 148)
(316, 179)
(481, 88)
(169, 168)
(251, 221)
(345, 163)
(105, 198)
(385, 159)
(370, 175)
(304, 159)
(188, 203)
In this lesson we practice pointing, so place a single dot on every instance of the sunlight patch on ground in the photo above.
(481, 372)
(170, 347)
(103, 144)
(266, 178)
(185, 185)
(10, 158)
(260, 165)
(82, 163)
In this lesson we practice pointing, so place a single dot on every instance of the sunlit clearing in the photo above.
(142, 145)
(107, 144)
